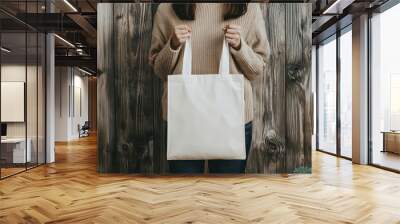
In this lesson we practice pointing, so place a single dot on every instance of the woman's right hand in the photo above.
(180, 35)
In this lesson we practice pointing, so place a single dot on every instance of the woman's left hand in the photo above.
(233, 35)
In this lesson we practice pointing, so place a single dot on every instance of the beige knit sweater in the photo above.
(207, 38)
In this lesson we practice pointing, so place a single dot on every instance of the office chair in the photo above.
(84, 130)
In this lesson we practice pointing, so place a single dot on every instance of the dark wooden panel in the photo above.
(268, 149)
(160, 163)
(133, 83)
(298, 92)
(105, 90)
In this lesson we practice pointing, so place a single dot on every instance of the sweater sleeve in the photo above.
(162, 57)
(254, 50)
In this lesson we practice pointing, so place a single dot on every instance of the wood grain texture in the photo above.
(298, 88)
(105, 89)
(269, 127)
(283, 104)
(136, 135)
(133, 82)
(72, 191)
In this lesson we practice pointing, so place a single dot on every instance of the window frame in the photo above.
(381, 9)
(334, 37)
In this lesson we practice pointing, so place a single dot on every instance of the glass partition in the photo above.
(31, 99)
(22, 88)
(14, 153)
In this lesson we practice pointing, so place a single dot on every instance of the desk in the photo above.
(13, 150)
(391, 141)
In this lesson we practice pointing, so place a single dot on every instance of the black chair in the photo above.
(84, 130)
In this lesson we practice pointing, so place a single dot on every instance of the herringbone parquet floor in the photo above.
(71, 191)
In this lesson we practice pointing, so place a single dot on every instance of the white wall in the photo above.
(62, 82)
(79, 115)
(17, 73)
(70, 83)
(33, 127)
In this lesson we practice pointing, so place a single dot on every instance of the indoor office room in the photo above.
(333, 57)
(266, 111)
(75, 102)
(384, 90)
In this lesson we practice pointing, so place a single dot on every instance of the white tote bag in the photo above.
(205, 113)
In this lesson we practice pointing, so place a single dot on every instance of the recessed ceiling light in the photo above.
(337, 7)
(70, 5)
(65, 41)
(84, 71)
(5, 50)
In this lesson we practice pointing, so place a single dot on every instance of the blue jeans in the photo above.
(215, 166)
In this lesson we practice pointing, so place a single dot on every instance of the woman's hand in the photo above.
(233, 35)
(180, 35)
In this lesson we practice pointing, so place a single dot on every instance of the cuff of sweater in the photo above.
(169, 57)
(243, 54)
(171, 49)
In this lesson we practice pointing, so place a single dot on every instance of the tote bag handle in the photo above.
(187, 59)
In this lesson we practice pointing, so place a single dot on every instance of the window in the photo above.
(385, 89)
(334, 137)
(22, 78)
(327, 96)
(346, 93)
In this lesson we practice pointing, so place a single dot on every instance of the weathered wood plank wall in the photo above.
(130, 130)
(105, 90)
(298, 97)
(267, 154)
(133, 82)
